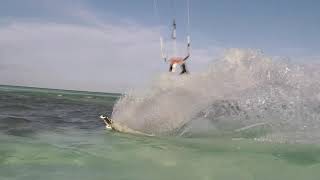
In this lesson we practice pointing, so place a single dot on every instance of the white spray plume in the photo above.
(243, 89)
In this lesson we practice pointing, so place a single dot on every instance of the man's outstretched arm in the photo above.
(184, 59)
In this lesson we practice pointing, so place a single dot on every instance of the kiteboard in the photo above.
(112, 125)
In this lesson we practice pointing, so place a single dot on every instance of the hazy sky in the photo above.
(112, 45)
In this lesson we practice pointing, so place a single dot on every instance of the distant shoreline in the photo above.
(57, 91)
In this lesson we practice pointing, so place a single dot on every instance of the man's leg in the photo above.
(184, 69)
(170, 68)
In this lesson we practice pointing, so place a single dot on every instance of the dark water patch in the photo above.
(14, 121)
(28, 112)
(47, 119)
(17, 126)
(23, 132)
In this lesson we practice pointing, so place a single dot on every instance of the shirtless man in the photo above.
(175, 61)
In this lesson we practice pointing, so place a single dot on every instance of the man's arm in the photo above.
(184, 59)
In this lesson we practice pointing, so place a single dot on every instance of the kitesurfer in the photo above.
(175, 61)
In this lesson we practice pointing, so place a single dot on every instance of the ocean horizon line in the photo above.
(55, 90)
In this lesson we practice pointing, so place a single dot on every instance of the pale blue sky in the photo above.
(82, 32)
(275, 26)
(266, 24)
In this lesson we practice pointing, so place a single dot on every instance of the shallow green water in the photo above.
(104, 155)
(45, 136)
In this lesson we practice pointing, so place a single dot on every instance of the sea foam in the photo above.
(243, 88)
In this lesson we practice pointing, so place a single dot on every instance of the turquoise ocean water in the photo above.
(57, 135)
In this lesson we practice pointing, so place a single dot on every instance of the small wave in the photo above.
(13, 120)
(16, 107)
